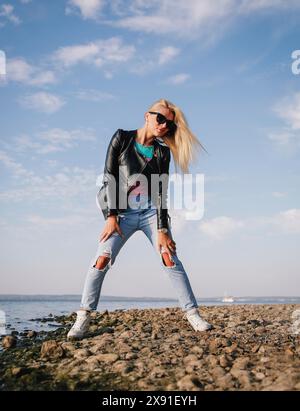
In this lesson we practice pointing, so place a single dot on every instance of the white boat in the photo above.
(227, 299)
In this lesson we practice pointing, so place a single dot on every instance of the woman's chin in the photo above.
(160, 134)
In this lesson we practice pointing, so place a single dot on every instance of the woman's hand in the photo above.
(165, 242)
(110, 227)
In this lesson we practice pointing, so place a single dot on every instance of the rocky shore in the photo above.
(251, 347)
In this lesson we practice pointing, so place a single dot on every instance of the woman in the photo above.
(144, 153)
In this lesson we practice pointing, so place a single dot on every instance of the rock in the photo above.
(82, 353)
(224, 361)
(31, 334)
(131, 356)
(217, 372)
(194, 366)
(264, 360)
(122, 367)
(93, 328)
(108, 330)
(190, 383)
(68, 346)
(197, 350)
(52, 350)
(126, 334)
(259, 376)
(18, 371)
(9, 341)
(225, 382)
(157, 372)
(242, 376)
(297, 386)
(241, 363)
(191, 358)
(231, 349)
(288, 352)
(255, 348)
(146, 385)
(124, 348)
(213, 346)
(261, 349)
(211, 360)
(107, 358)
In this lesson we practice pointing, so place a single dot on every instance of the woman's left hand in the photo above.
(165, 242)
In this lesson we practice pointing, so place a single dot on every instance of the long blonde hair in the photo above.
(183, 144)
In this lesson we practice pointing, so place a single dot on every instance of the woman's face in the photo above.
(158, 130)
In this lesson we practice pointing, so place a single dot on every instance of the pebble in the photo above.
(9, 341)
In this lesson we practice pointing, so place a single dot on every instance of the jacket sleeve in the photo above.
(162, 209)
(111, 172)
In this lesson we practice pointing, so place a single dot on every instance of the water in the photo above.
(17, 311)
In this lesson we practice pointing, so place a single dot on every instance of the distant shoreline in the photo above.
(76, 297)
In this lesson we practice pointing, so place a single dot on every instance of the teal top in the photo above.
(146, 151)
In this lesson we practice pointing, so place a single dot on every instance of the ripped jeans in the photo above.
(130, 221)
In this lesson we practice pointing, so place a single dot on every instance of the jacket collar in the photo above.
(156, 153)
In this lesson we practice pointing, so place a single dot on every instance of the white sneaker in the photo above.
(196, 321)
(80, 326)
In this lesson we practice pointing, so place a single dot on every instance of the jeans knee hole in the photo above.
(103, 261)
(167, 261)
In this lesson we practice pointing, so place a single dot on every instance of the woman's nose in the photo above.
(162, 126)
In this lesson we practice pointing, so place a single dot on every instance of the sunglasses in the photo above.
(161, 119)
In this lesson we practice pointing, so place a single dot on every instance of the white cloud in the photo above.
(53, 140)
(99, 53)
(220, 227)
(203, 19)
(52, 223)
(44, 102)
(62, 186)
(278, 194)
(94, 95)
(167, 54)
(7, 12)
(146, 63)
(284, 222)
(21, 71)
(89, 9)
(255, 5)
(178, 79)
(288, 221)
(15, 167)
(289, 110)
(283, 137)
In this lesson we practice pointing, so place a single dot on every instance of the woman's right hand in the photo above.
(110, 227)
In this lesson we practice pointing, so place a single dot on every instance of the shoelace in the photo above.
(196, 319)
(80, 324)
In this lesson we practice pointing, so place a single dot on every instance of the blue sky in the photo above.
(78, 70)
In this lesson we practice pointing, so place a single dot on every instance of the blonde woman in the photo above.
(133, 197)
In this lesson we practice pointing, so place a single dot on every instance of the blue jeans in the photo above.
(130, 221)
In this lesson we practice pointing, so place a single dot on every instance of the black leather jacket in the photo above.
(122, 155)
